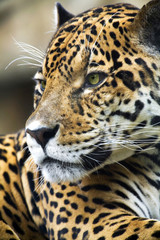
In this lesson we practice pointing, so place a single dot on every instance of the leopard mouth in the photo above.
(56, 171)
(62, 164)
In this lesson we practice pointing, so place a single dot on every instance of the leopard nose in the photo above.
(43, 135)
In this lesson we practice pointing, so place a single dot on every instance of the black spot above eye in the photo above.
(101, 62)
(70, 28)
(117, 43)
(115, 56)
(108, 56)
(128, 61)
(116, 24)
(89, 38)
(98, 10)
(113, 35)
(94, 50)
(87, 25)
(94, 31)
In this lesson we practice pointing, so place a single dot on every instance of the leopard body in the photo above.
(87, 164)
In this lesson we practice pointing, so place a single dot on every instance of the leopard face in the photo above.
(96, 97)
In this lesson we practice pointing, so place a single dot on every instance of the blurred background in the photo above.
(28, 21)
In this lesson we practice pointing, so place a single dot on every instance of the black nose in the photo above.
(43, 135)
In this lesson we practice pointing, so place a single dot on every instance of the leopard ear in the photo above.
(61, 15)
(146, 26)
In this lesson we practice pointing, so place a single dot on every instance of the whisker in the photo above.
(29, 159)
(32, 53)
(29, 49)
(118, 163)
(29, 63)
(39, 185)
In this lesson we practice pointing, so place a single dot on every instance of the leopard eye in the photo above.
(94, 79)
(43, 84)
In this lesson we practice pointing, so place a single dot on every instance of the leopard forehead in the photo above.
(92, 39)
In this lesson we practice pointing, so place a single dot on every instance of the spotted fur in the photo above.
(87, 165)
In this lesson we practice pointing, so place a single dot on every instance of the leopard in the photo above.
(87, 163)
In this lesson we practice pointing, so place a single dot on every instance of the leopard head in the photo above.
(97, 93)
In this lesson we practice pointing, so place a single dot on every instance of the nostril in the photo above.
(43, 135)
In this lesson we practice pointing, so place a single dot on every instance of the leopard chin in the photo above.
(58, 171)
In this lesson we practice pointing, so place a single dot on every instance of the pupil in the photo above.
(94, 79)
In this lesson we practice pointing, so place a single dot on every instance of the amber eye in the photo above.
(94, 79)
(43, 85)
